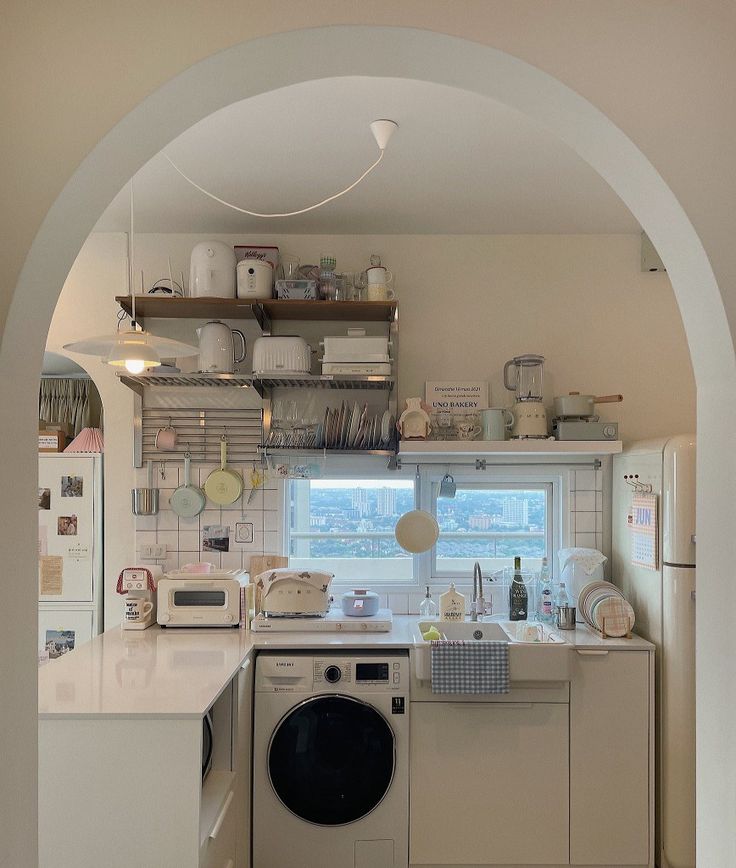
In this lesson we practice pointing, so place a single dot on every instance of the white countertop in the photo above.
(180, 672)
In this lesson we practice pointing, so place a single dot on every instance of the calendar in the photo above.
(644, 526)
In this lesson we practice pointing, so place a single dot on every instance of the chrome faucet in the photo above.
(478, 608)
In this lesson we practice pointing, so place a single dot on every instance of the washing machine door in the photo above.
(331, 759)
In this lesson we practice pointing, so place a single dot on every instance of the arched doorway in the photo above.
(272, 62)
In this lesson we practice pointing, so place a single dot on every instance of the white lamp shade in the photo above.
(110, 347)
(133, 347)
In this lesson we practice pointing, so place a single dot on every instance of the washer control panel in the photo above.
(362, 673)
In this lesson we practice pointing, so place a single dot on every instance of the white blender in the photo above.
(138, 586)
(523, 375)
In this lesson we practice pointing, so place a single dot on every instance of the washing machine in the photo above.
(331, 760)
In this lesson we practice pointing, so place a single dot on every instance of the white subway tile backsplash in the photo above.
(167, 519)
(189, 524)
(145, 523)
(584, 522)
(190, 540)
(170, 538)
(232, 561)
(209, 517)
(272, 543)
(585, 501)
(585, 480)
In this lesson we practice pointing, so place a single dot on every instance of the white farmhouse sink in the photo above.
(528, 661)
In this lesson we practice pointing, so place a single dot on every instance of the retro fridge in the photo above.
(654, 564)
(70, 556)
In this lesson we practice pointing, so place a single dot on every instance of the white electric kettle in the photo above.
(217, 348)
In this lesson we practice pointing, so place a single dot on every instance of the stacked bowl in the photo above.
(605, 609)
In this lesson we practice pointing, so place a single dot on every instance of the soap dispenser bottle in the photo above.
(428, 607)
(452, 605)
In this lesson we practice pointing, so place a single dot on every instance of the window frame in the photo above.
(426, 478)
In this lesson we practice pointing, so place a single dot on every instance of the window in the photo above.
(347, 526)
(492, 523)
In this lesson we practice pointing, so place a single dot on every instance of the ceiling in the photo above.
(458, 164)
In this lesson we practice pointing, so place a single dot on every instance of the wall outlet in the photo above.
(154, 552)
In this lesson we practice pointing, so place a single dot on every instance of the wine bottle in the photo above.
(518, 597)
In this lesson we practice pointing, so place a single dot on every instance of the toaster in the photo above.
(281, 355)
(289, 593)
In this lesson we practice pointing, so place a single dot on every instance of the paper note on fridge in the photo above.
(50, 573)
(78, 551)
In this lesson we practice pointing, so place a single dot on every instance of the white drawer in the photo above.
(218, 850)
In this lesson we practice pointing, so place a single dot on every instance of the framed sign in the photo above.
(457, 398)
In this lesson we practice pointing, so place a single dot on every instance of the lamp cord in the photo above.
(287, 213)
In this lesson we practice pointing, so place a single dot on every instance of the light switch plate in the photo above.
(154, 551)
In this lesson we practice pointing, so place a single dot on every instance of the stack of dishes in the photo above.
(604, 608)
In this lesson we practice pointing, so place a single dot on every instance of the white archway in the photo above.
(265, 64)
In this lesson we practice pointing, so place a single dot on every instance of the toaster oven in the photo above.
(207, 600)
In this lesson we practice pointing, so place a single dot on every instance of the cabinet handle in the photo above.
(592, 653)
(221, 818)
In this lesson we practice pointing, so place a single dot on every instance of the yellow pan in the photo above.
(223, 486)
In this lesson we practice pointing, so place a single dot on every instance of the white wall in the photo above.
(469, 303)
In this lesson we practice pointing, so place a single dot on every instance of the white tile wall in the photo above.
(586, 508)
(183, 536)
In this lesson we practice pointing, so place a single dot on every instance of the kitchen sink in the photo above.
(547, 660)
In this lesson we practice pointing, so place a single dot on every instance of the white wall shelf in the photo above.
(508, 448)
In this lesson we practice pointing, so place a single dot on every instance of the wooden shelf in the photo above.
(275, 309)
(365, 311)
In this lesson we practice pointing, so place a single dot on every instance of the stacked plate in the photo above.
(354, 428)
(604, 608)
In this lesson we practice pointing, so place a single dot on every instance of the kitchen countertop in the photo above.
(179, 672)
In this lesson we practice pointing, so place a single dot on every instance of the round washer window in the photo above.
(331, 760)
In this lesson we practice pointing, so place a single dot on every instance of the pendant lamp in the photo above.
(133, 349)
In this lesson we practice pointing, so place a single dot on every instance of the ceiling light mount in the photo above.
(382, 130)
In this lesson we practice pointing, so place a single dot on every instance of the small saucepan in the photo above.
(576, 404)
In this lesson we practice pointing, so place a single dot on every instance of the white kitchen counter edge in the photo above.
(179, 673)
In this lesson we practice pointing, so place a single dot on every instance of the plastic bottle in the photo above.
(452, 605)
(562, 598)
(428, 607)
(546, 607)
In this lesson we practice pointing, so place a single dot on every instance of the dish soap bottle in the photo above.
(452, 605)
(518, 596)
(428, 607)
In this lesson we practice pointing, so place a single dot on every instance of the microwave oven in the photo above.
(208, 600)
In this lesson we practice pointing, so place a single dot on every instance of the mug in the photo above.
(496, 422)
(379, 292)
(137, 609)
(378, 275)
(467, 431)
(166, 439)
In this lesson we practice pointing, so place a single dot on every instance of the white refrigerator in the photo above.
(663, 597)
(70, 555)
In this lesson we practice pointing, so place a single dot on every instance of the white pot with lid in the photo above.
(212, 270)
(255, 278)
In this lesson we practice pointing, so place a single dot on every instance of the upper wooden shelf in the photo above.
(273, 309)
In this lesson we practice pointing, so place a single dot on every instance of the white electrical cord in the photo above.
(287, 213)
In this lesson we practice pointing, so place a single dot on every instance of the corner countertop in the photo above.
(179, 673)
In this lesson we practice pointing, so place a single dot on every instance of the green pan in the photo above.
(188, 500)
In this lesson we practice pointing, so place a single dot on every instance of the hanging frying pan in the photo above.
(223, 486)
(188, 500)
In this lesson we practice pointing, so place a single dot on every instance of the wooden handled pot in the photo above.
(223, 486)
(576, 404)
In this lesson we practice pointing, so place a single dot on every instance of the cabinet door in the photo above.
(483, 775)
(610, 760)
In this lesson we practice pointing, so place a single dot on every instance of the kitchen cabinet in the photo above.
(611, 758)
(134, 784)
(483, 774)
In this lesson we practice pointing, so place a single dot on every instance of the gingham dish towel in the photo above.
(469, 667)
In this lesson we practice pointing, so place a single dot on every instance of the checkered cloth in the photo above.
(469, 667)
